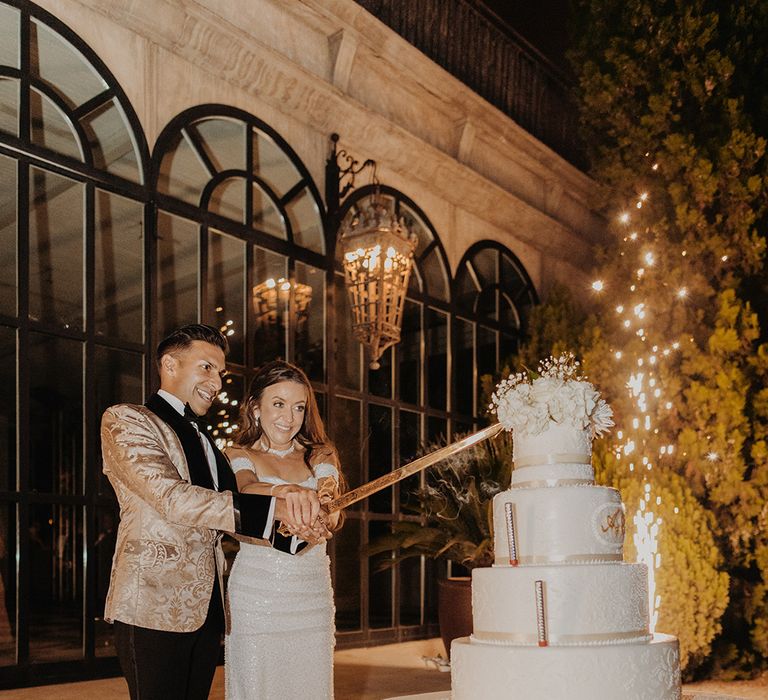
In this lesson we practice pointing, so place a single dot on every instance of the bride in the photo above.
(282, 633)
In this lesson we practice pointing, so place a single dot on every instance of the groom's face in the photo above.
(194, 374)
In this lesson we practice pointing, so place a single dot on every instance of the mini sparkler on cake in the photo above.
(526, 402)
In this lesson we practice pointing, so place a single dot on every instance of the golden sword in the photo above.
(417, 465)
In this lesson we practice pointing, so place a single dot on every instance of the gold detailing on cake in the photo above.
(563, 559)
(551, 483)
(541, 622)
(557, 458)
(560, 639)
(509, 513)
(615, 523)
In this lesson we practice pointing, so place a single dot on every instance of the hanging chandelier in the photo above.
(377, 252)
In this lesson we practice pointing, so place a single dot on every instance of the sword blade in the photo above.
(361, 492)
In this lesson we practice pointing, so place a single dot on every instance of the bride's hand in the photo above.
(297, 507)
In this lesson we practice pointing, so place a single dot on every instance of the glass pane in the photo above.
(7, 409)
(9, 101)
(182, 172)
(410, 441)
(177, 260)
(345, 432)
(466, 289)
(55, 249)
(380, 605)
(55, 414)
(107, 519)
(226, 291)
(271, 299)
(486, 265)
(486, 360)
(224, 142)
(487, 302)
(62, 66)
(9, 36)
(228, 200)
(437, 358)
(380, 454)
(266, 216)
(507, 312)
(272, 165)
(306, 222)
(118, 378)
(309, 312)
(109, 137)
(409, 354)
(51, 128)
(7, 584)
(8, 238)
(435, 274)
(347, 565)
(347, 349)
(119, 270)
(380, 380)
(225, 411)
(411, 593)
(437, 430)
(56, 582)
(464, 359)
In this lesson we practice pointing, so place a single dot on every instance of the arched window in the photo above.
(240, 245)
(493, 295)
(73, 167)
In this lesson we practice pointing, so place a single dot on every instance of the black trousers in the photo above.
(171, 665)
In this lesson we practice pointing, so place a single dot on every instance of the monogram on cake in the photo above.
(560, 615)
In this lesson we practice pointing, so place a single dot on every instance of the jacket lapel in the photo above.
(199, 472)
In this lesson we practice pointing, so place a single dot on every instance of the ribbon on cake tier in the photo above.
(554, 458)
(563, 559)
(503, 638)
(549, 483)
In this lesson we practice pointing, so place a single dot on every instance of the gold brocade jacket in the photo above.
(168, 548)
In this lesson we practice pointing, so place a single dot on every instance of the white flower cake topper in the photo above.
(526, 403)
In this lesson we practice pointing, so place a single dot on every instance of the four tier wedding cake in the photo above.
(560, 615)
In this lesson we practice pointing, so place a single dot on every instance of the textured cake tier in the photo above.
(571, 524)
(557, 444)
(584, 605)
(639, 671)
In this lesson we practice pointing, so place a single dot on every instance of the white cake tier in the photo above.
(567, 525)
(556, 445)
(583, 605)
(640, 671)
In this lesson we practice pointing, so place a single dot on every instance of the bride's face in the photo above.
(281, 411)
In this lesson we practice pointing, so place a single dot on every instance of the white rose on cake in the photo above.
(526, 403)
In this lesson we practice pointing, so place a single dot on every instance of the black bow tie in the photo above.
(191, 416)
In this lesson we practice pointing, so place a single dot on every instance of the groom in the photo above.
(177, 495)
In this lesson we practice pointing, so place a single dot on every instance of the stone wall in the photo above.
(313, 67)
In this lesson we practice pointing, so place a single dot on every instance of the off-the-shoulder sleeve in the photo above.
(240, 463)
(325, 469)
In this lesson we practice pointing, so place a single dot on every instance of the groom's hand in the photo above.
(297, 507)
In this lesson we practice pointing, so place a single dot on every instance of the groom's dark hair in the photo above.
(183, 337)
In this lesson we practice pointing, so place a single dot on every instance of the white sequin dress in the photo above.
(281, 641)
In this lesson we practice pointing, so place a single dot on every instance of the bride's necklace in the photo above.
(277, 453)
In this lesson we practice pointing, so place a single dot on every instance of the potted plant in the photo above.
(456, 524)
